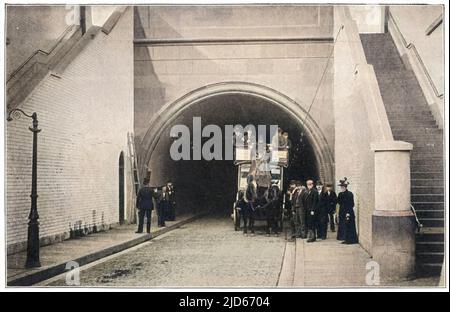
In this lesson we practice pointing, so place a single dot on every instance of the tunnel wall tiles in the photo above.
(84, 115)
(294, 70)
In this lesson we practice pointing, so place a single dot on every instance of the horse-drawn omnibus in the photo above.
(268, 172)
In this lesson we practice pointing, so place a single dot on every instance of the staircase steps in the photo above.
(430, 246)
(411, 121)
(427, 197)
(430, 157)
(397, 119)
(418, 190)
(430, 213)
(437, 139)
(427, 174)
(432, 222)
(428, 205)
(414, 131)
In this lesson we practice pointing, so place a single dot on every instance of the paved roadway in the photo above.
(207, 252)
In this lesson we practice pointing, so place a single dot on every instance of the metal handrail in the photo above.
(435, 24)
(39, 51)
(411, 46)
(419, 225)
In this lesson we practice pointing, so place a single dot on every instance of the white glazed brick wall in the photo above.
(84, 116)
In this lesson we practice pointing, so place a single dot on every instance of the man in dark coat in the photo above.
(347, 226)
(288, 220)
(331, 200)
(288, 141)
(281, 140)
(171, 202)
(288, 145)
(240, 209)
(272, 207)
(322, 213)
(299, 212)
(311, 203)
(144, 202)
(250, 197)
(162, 207)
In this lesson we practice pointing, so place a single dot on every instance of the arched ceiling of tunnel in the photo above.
(213, 184)
(233, 109)
(239, 109)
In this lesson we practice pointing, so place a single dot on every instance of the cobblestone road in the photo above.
(207, 252)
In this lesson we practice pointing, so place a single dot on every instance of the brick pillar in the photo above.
(393, 223)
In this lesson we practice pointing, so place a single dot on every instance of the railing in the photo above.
(419, 225)
(245, 154)
(412, 47)
(435, 24)
(41, 52)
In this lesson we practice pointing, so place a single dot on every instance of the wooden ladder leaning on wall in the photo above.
(134, 170)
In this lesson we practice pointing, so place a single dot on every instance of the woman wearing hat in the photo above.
(347, 227)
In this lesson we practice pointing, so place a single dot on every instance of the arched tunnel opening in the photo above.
(202, 185)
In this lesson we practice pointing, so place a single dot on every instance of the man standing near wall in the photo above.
(144, 203)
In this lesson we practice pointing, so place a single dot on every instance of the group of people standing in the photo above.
(308, 210)
(313, 207)
(149, 197)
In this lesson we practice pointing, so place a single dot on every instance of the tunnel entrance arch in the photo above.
(171, 111)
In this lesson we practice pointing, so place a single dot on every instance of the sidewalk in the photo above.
(330, 264)
(325, 263)
(83, 250)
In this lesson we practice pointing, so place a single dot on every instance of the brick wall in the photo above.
(85, 115)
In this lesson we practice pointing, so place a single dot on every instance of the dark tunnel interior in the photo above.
(212, 185)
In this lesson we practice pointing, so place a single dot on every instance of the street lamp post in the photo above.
(33, 224)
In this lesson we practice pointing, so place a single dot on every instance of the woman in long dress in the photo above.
(347, 225)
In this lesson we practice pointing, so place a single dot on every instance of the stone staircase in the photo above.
(27, 76)
(411, 121)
